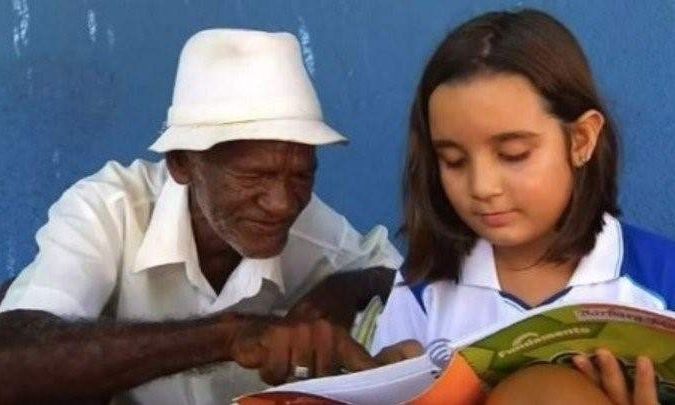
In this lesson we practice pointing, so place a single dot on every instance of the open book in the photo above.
(460, 372)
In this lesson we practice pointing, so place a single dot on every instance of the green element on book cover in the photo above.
(557, 335)
(364, 329)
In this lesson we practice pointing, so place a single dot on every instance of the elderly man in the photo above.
(158, 282)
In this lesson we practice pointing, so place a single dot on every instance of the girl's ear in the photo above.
(585, 132)
(179, 166)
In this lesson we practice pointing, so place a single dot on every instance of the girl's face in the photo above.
(503, 159)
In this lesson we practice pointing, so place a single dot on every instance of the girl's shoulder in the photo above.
(642, 246)
(649, 260)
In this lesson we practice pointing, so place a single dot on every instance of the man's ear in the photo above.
(179, 166)
(585, 133)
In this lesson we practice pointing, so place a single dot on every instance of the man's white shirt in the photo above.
(120, 243)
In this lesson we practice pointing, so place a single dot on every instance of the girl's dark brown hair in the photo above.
(535, 45)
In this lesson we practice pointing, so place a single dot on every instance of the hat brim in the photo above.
(203, 137)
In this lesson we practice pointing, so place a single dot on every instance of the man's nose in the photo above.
(278, 199)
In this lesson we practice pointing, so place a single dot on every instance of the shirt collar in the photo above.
(602, 264)
(478, 268)
(169, 240)
(246, 280)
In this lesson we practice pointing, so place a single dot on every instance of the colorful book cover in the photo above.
(461, 372)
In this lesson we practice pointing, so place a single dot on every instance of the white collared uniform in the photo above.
(626, 266)
(120, 242)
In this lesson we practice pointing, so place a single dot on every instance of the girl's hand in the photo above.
(406, 349)
(607, 373)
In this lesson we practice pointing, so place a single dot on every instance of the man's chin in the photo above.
(261, 250)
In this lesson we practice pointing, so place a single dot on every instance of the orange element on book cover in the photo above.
(458, 385)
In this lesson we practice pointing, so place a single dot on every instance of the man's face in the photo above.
(250, 192)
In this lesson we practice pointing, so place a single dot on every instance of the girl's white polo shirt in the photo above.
(627, 266)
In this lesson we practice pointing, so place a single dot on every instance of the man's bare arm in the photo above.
(46, 358)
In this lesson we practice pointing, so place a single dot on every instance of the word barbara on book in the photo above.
(460, 372)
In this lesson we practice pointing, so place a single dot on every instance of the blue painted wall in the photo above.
(83, 82)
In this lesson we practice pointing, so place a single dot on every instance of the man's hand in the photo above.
(606, 372)
(340, 296)
(277, 346)
(400, 351)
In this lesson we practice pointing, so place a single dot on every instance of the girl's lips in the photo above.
(497, 219)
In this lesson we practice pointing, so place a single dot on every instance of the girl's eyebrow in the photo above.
(444, 143)
(513, 135)
(497, 138)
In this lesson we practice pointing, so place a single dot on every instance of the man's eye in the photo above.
(517, 157)
(250, 176)
(304, 177)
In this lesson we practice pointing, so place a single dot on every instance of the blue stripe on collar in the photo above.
(418, 290)
(524, 305)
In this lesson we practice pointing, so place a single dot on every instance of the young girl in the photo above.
(510, 189)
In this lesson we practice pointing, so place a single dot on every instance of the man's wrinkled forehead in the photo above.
(265, 152)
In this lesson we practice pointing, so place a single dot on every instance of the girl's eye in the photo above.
(454, 164)
(515, 157)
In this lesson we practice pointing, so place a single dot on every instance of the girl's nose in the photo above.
(485, 181)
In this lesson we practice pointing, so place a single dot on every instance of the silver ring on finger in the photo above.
(300, 373)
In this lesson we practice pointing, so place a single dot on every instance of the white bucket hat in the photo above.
(239, 84)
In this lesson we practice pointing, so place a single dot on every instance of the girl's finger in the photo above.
(611, 376)
(585, 365)
(644, 392)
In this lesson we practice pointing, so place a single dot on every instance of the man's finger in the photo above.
(611, 375)
(277, 341)
(304, 311)
(246, 348)
(352, 355)
(400, 351)
(302, 353)
(644, 391)
(324, 344)
(411, 348)
(388, 355)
